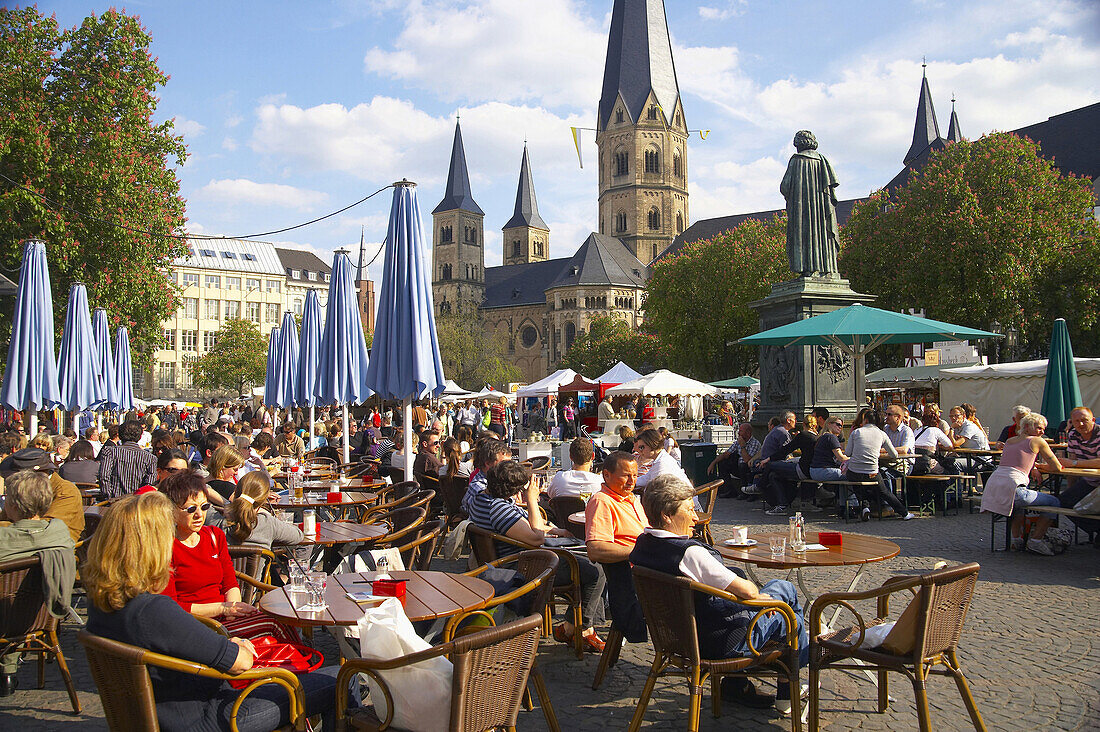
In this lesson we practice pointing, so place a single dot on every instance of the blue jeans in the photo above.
(826, 474)
(1028, 497)
(774, 627)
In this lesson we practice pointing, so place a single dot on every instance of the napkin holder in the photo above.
(830, 538)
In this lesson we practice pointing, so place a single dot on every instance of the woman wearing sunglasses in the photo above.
(203, 581)
(170, 462)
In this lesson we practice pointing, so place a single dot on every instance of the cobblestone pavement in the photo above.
(1030, 648)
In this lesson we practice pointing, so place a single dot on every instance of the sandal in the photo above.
(593, 642)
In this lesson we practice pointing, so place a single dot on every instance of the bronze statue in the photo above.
(809, 187)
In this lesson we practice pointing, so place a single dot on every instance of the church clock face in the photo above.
(528, 336)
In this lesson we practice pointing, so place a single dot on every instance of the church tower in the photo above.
(364, 289)
(641, 133)
(458, 238)
(526, 235)
(926, 130)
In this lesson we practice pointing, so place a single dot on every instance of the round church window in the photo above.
(529, 336)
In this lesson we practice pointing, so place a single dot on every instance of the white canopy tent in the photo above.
(994, 390)
(547, 386)
(620, 373)
(664, 383)
(490, 393)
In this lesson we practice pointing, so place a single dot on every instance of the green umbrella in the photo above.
(859, 329)
(1061, 392)
(741, 382)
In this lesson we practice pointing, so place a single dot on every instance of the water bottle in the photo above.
(798, 533)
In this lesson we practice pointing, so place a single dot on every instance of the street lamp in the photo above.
(1011, 338)
(997, 328)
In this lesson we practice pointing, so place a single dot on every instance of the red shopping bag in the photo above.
(274, 653)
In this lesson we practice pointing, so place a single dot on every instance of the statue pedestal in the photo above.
(799, 378)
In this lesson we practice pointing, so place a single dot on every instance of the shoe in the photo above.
(8, 684)
(866, 515)
(751, 490)
(824, 494)
(593, 643)
(909, 516)
(783, 706)
(743, 692)
(1038, 546)
(1017, 543)
(777, 511)
(561, 636)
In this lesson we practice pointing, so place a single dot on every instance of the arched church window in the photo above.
(619, 115)
(679, 223)
(652, 161)
(677, 165)
(515, 247)
(654, 219)
(570, 335)
(620, 222)
(529, 336)
(622, 163)
(652, 114)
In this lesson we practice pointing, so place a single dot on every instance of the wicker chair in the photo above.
(402, 523)
(452, 489)
(484, 551)
(418, 552)
(89, 492)
(944, 598)
(707, 495)
(121, 674)
(619, 583)
(25, 622)
(254, 562)
(491, 668)
(668, 604)
(538, 462)
(564, 506)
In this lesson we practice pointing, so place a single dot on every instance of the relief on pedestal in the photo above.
(834, 362)
(780, 374)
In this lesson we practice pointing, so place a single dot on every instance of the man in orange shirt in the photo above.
(613, 519)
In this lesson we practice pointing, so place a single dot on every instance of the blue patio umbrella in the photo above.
(309, 345)
(406, 363)
(1061, 390)
(342, 362)
(270, 395)
(30, 379)
(105, 387)
(124, 370)
(76, 366)
(286, 363)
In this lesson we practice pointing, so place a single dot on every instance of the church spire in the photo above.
(927, 129)
(360, 271)
(953, 132)
(458, 195)
(527, 209)
(639, 61)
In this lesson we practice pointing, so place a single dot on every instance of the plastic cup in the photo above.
(778, 546)
(315, 589)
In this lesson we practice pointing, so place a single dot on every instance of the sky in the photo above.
(292, 110)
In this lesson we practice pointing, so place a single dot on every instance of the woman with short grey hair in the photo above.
(662, 498)
(28, 495)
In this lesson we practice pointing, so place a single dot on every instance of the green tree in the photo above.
(608, 341)
(988, 232)
(472, 354)
(697, 301)
(85, 168)
(237, 360)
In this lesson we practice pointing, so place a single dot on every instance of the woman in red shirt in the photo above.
(203, 580)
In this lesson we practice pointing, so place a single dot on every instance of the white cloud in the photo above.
(233, 120)
(229, 144)
(188, 127)
(725, 11)
(243, 191)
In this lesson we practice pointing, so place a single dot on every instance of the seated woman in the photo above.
(81, 465)
(453, 464)
(669, 443)
(495, 509)
(865, 444)
(170, 462)
(626, 439)
(827, 454)
(203, 581)
(128, 568)
(249, 521)
(652, 458)
(720, 624)
(1007, 489)
(224, 464)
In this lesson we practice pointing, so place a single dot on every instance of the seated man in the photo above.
(722, 626)
(580, 479)
(1082, 451)
(734, 463)
(427, 460)
(28, 498)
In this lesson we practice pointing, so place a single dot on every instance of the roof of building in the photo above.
(639, 60)
(954, 134)
(520, 284)
(917, 163)
(1070, 140)
(458, 195)
(926, 129)
(301, 261)
(527, 208)
(602, 260)
(7, 287)
(232, 255)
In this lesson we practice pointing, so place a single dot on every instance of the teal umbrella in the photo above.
(1061, 392)
(741, 382)
(859, 329)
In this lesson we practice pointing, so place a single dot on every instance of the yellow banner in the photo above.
(577, 143)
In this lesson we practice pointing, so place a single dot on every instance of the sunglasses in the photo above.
(191, 509)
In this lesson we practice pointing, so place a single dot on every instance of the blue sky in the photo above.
(294, 109)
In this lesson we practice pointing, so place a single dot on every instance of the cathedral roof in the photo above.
(1069, 139)
(520, 284)
(602, 260)
(954, 134)
(527, 209)
(458, 195)
(639, 60)
(926, 129)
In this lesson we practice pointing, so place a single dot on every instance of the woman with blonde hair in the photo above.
(129, 565)
(249, 520)
(224, 464)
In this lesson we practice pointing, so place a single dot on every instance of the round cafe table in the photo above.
(320, 500)
(332, 533)
(428, 596)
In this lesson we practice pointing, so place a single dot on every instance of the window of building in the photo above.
(622, 163)
(538, 248)
(652, 161)
(208, 253)
(311, 276)
(470, 235)
(529, 336)
(618, 115)
(190, 279)
(291, 273)
(444, 308)
(298, 306)
(327, 277)
(248, 257)
(253, 312)
(677, 165)
(515, 247)
(214, 282)
(271, 314)
(654, 219)
(679, 223)
(570, 335)
(274, 286)
(445, 235)
(209, 340)
(651, 113)
(232, 309)
(229, 255)
(620, 222)
(191, 307)
(446, 273)
(213, 309)
(188, 340)
(232, 283)
(166, 375)
(252, 283)
(169, 340)
(170, 276)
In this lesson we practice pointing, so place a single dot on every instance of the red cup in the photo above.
(335, 497)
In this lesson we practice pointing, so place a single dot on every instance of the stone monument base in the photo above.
(799, 378)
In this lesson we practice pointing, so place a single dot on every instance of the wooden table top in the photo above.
(347, 498)
(428, 595)
(856, 549)
(1079, 472)
(345, 532)
(975, 451)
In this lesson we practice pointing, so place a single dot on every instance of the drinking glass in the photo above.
(778, 545)
(315, 587)
(585, 495)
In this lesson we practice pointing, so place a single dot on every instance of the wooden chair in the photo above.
(26, 625)
(416, 499)
(417, 554)
(562, 507)
(402, 523)
(254, 562)
(707, 495)
(668, 604)
(491, 669)
(121, 674)
(484, 551)
(452, 489)
(538, 462)
(89, 492)
(942, 600)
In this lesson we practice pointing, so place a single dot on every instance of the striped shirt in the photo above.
(497, 515)
(1080, 447)
(125, 468)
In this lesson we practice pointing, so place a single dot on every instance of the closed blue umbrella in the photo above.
(124, 370)
(30, 379)
(105, 387)
(76, 364)
(342, 366)
(406, 363)
(270, 395)
(1061, 390)
(309, 346)
(286, 362)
